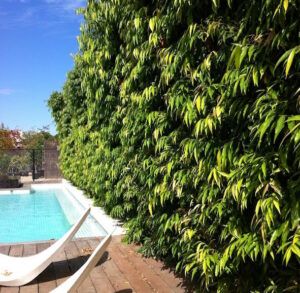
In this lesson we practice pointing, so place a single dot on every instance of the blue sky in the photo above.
(37, 40)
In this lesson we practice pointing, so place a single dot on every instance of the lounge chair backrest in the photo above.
(17, 271)
(71, 284)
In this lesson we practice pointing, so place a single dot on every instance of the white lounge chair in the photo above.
(71, 284)
(17, 271)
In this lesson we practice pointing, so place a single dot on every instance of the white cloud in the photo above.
(6, 91)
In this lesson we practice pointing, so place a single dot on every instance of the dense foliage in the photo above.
(182, 119)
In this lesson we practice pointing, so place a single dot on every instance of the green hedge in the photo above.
(182, 119)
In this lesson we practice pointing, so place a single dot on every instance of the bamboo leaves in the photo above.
(279, 126)
(285, 4)
(182, 119)
(289, 62)
(288, 58)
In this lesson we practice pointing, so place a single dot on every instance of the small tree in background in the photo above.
(36, 139)
(19, 164)
(4, 162)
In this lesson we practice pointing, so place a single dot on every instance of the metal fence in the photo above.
(27, 163)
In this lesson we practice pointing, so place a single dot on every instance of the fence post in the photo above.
(33, 165)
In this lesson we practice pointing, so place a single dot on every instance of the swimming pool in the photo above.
(42, 214)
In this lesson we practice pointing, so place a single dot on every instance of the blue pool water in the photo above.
(41, 215)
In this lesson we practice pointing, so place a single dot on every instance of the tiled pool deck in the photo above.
(121, 269)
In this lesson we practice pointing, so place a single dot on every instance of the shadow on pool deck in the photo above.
(121, 269)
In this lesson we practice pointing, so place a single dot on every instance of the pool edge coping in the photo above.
(109, 224)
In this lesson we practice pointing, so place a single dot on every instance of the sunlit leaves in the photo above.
(182, 119)
(288, 58)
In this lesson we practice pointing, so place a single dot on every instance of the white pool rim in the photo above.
(109, 224)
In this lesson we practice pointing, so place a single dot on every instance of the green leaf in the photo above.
(152, 24)
(150, 209)
(282, 58)
(237, 56)
(288, 255)
(264, 127)
(285, 5)
(279, 126)
(286, 55)
(219, 159)
(137, 22)
(289, 62)
(296, 250)
(294, 118)
(264, 168)
(215, 2)
(277, 206)
(255, 76)
(198, 104)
